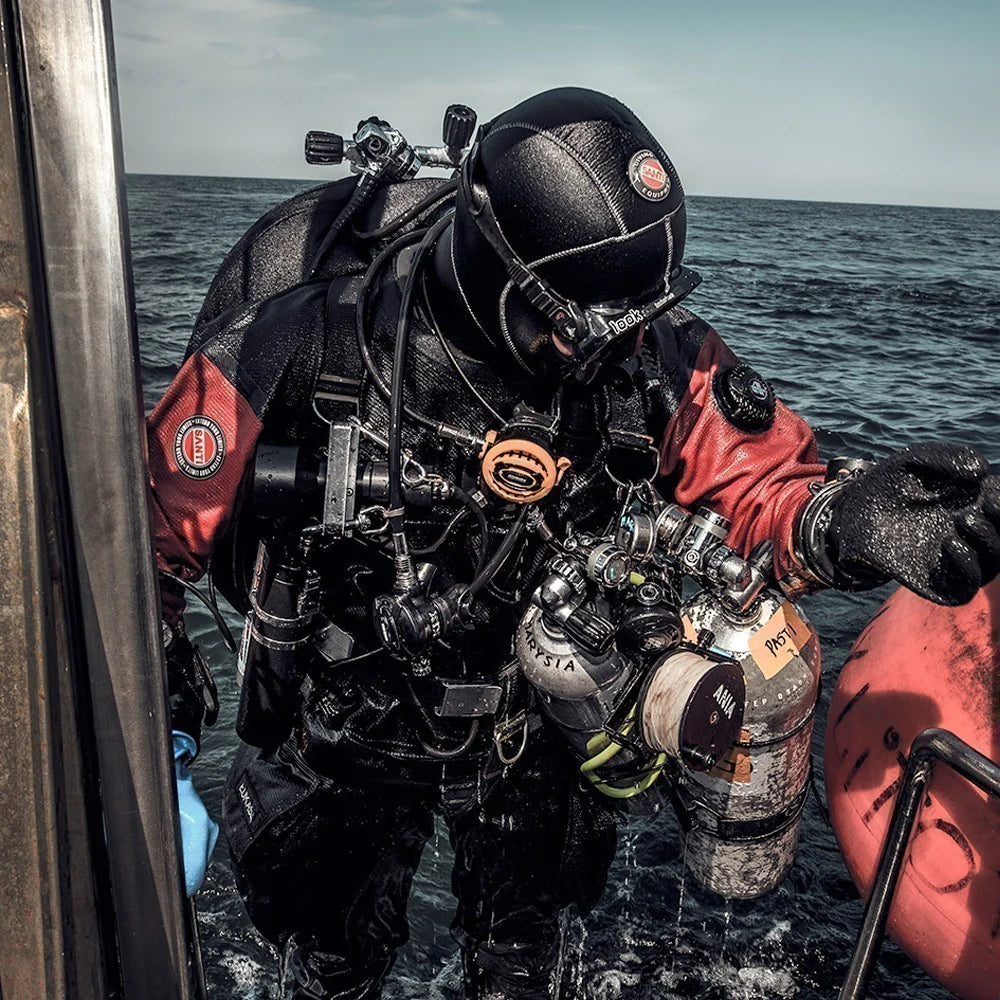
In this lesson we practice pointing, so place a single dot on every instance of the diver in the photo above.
(409, 412)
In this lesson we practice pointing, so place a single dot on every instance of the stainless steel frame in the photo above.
(91, 898)
(931, 746)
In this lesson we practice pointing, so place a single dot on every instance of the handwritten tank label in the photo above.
(775, 645)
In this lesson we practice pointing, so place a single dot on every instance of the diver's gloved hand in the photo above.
(198, 830)
(928, 517)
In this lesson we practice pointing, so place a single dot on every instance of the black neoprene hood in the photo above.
(585, 196)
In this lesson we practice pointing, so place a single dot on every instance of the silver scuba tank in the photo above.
(627, 701)
(690, 703)
(578, 689)
(750, 663)
(743, 816)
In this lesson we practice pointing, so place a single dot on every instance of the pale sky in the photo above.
(886, 101)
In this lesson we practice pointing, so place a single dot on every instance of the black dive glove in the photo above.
(928, 517)
(193, 698)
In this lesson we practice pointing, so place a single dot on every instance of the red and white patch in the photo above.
(647, 176)
(199, 447)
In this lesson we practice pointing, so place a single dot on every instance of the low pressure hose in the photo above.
(406, 578)
(361, 322)
(363, 191)
(464, 437)
(446, 190)
(498, 558)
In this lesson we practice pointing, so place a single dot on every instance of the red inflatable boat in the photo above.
(915, 666)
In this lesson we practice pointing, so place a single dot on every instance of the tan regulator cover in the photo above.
(519, 470)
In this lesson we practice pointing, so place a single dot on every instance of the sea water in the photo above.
(878, 324)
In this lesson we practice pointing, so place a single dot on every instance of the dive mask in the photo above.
(587, 333)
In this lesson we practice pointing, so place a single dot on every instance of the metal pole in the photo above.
(869, 944)
(54, 941)
(69, 116)
(930, 746)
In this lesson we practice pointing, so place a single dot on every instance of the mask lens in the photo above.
(563, 346)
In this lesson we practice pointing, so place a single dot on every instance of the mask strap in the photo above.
(565, 315)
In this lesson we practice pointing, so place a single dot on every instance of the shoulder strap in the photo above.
(632, 454)
(337, 386)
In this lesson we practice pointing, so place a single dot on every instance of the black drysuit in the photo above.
(326, 831)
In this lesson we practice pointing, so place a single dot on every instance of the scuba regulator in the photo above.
(602, 645)
(379, 154)
(717, 691)
(518, 463)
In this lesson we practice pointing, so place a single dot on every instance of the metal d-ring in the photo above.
(500, 738)
(377, 529)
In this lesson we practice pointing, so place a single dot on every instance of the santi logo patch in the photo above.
(199, 447)
(647, 176)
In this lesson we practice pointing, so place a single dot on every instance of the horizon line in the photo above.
(690, 194)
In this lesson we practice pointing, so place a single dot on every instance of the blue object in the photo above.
(198, 830)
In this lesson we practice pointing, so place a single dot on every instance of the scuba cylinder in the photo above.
(721, 687)
(742, 817)
(284, 603)
(627, 697)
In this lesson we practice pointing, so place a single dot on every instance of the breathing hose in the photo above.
(361, 321)
(406, 578)
(363, 191)
(210, 604)
(438, 194)
(490, 570)
(605, 748)
(462, 436)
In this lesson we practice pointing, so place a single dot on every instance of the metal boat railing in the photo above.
(930, 747)
(91, 889)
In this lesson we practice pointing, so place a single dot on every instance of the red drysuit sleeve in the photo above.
(758, 480)
(201, 435)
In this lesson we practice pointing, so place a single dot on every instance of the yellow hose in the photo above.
(627, 792)
(610, 747)
(604, 748)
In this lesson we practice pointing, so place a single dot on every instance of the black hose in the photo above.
(361, 324)
(433, 751)
(484, 531)
(363, 191)
(498, 558)
(450, 354)
(477, 510)
(224, 631)
(396, 516)
(443, 537)
(438, 194)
